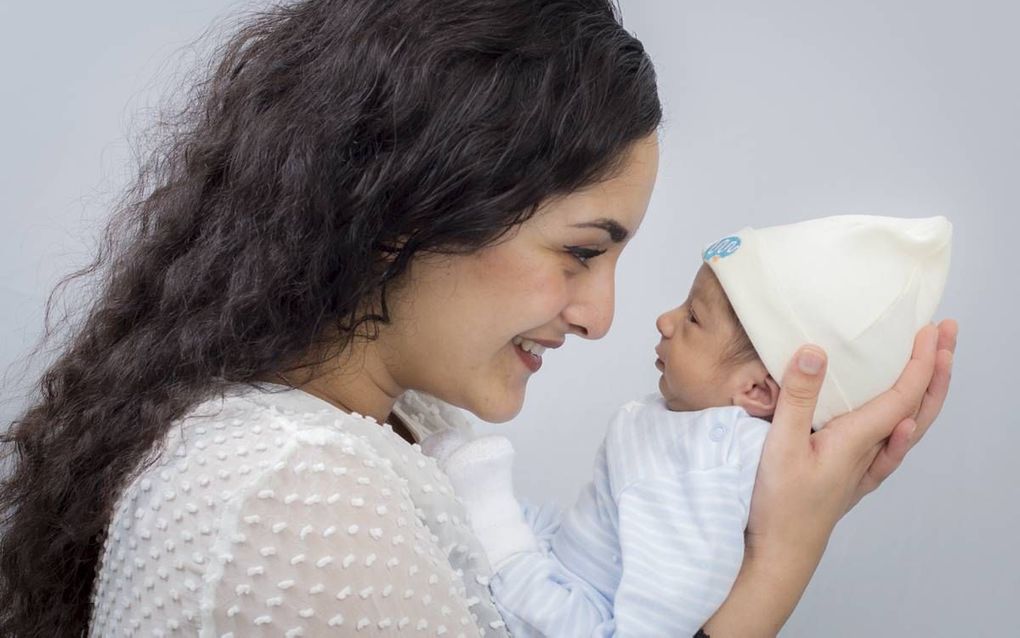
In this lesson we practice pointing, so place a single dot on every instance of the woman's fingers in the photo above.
(868, 425)
(935, 395)
(908, 432)
(913, 382)
(948, 331)
(890, 455)
(798, 395)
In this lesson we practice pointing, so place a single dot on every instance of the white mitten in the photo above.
(481, 472)
(442, 444)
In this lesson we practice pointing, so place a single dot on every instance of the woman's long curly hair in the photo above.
(328, 144)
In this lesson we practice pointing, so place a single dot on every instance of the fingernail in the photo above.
(810, 361)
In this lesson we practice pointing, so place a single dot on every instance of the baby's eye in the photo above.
(582, 254)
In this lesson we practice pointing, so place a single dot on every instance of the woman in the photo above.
(367, 199)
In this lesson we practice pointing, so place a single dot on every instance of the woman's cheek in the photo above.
(551, 294)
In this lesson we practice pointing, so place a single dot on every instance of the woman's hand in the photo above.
(807, 481)
(890, 452)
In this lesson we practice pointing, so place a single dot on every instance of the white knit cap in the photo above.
(859, 286)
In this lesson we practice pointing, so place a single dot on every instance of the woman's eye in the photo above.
(583, 254)
(691, 316)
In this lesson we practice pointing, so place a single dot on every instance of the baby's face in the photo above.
(696, 338)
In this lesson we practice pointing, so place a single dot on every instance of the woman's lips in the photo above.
(532, 357)
(531, 361)
(660, 365)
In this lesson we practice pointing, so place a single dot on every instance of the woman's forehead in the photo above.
(615, 204)
(583, 210)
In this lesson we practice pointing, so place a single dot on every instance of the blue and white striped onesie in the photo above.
(654, 543)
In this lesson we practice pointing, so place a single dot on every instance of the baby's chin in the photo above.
(679, 404)
(676, 405)
(672, 403)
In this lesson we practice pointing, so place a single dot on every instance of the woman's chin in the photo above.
(497, 409)
(500, 414)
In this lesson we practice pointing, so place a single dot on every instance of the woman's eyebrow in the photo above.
(616, 232)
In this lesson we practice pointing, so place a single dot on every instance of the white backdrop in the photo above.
(775, 112)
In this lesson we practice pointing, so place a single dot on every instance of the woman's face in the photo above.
(471, 329)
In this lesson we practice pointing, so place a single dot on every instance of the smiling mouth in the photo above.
(529, 346)
(529, 352)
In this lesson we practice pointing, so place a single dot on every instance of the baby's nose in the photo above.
(664, 324)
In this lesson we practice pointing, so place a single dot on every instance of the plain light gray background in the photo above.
(776, 111)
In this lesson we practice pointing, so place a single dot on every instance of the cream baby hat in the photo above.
(859, 286)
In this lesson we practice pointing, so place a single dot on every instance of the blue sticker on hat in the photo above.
(721, 249)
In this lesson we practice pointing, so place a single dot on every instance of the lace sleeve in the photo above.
(327, 541)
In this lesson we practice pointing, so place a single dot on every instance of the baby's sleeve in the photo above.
(327, 542)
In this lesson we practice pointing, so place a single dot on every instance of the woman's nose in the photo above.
(591, 313)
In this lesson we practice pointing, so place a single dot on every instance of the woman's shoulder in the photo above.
(254, 482)
(267, 404)
(234, 440)
(283, 408)
(251, 425)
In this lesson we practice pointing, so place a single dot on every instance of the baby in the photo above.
(655, 541)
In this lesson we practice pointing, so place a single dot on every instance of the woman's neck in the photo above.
(356, 382)
(356, 395)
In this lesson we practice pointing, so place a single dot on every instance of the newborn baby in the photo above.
(655, 541)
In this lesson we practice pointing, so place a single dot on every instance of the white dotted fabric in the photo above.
(272, 513)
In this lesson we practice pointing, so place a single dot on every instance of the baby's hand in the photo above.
(442, 444)
(481, 472)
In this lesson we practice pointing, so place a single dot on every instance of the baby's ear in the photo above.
(756, 390)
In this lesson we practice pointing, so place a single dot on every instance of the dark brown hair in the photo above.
(330, 142)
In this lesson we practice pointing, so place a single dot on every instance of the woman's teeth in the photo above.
(529, 346)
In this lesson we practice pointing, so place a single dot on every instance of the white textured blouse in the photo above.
(270, 512)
